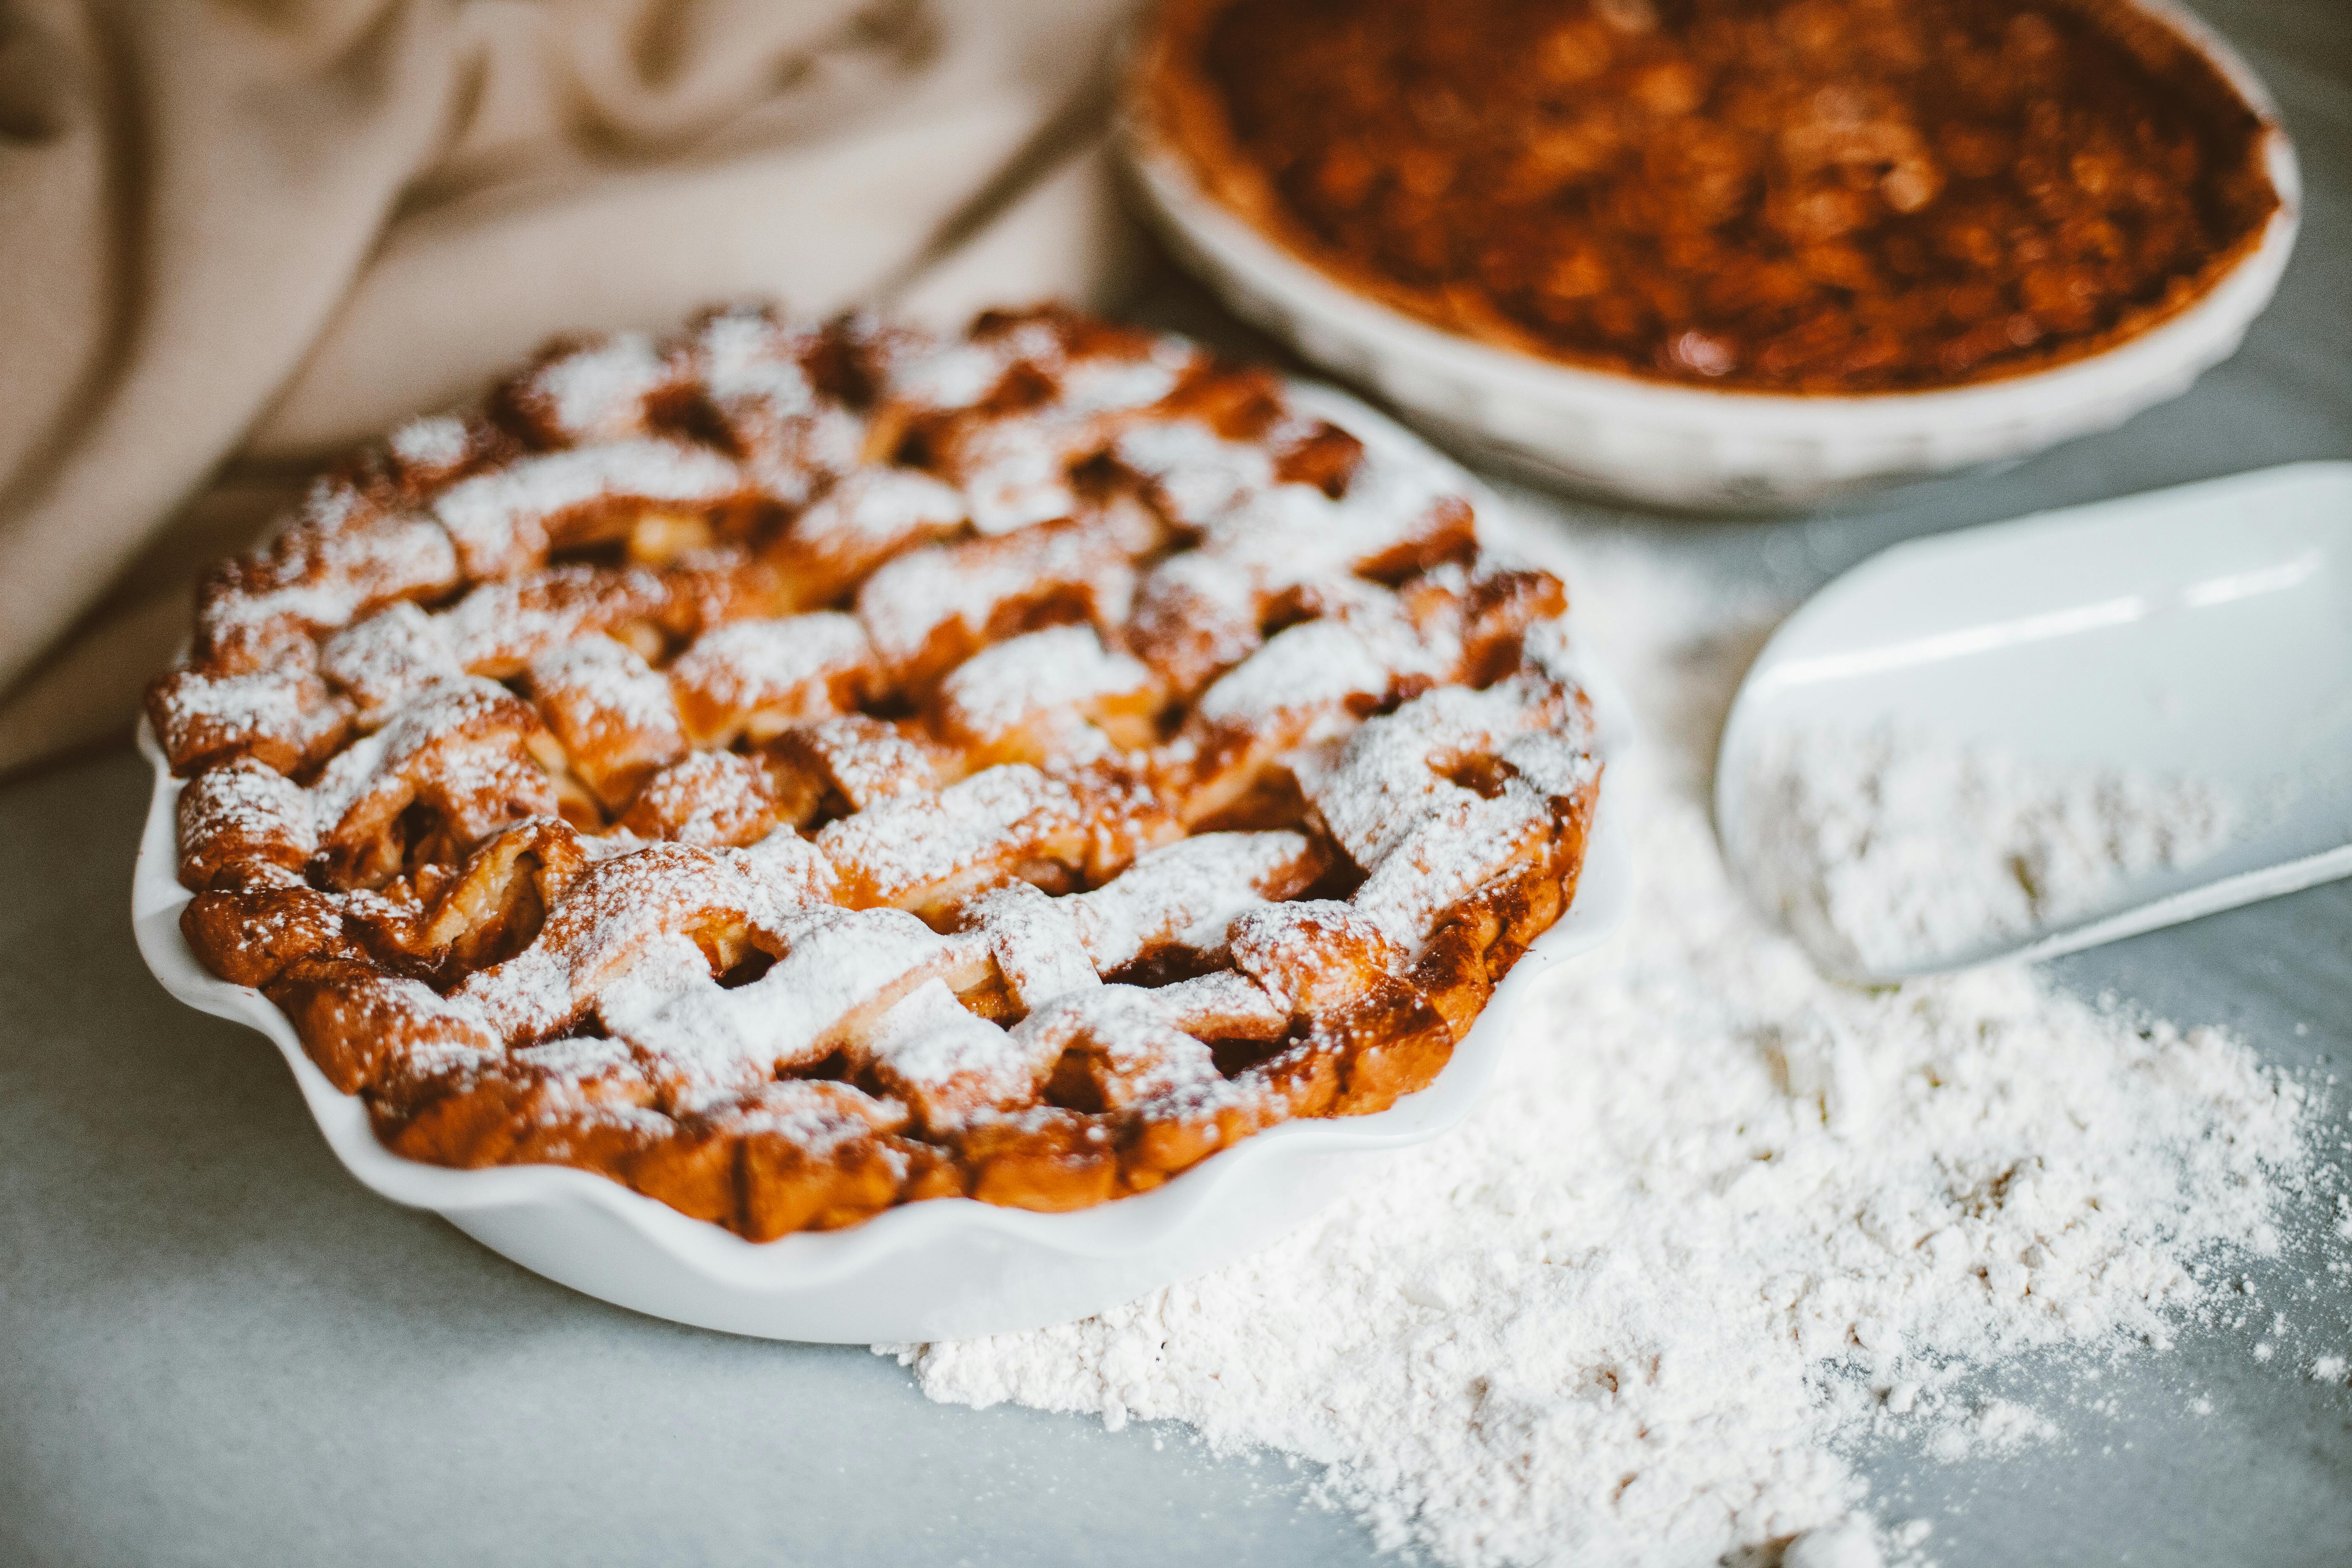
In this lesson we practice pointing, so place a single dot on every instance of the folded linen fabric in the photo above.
(240, 236)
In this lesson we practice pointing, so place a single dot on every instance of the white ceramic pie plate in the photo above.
(1692, 448)
(942, 1269)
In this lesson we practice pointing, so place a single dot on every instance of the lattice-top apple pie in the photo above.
(793, 770)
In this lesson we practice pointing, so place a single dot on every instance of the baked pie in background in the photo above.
(1778, 197)
(793, 770)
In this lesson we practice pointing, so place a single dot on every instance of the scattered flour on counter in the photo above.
(1995, 1427)
(1896, 847)
(1848, 1543)
(1719, 1221)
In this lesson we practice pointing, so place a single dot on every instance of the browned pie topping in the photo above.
(797, 770)
(1777, 196)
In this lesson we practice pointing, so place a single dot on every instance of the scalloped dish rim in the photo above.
(1120, 1228)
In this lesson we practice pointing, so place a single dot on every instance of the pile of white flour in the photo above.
(1719, 1220)
(1898, 847)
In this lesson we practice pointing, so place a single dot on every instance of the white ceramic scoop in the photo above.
(2192, 647)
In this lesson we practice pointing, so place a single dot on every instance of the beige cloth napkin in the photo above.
(238, 236)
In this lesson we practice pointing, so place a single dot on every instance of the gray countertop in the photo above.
(216, 1348)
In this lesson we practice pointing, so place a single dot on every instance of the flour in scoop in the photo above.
(1895, 848)
(1719, 1221)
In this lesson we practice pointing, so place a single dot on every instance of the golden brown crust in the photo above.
(784, 885)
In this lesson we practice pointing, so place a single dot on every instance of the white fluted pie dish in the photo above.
(942, 1268)
(1697, 448)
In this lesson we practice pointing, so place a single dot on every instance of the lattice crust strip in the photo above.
(795, 769)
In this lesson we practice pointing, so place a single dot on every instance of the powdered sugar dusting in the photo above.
(1061, 667)
(1387, 779)
(1311, 669)
(741, 358)
(1453, 849)
(905, 843)
(1198, 477)
(383, 661)
(498, 520)
(1715, 1215)
(1195, 886)
(869, 761)
(838, 964)
(789, 663)
(434, 443)
(922, 592)
(599, 393)
(1034, 941)
(243, 707)
(951, 1063)
(882, 506)
(609, 681)
(1138, 1035)
(243, 803)
(333, 560)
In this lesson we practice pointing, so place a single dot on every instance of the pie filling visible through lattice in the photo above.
(1827, 196)
(793, 770)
